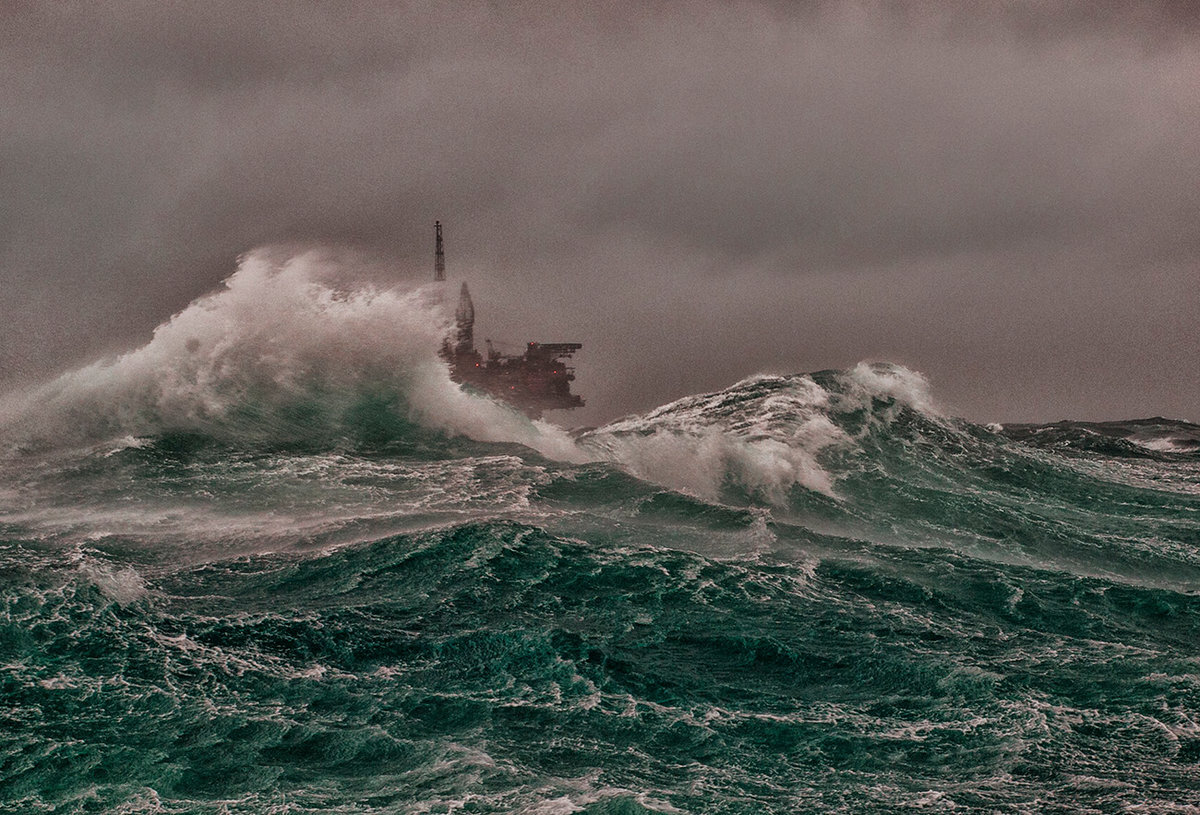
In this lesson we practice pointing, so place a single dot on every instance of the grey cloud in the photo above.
(736, 186)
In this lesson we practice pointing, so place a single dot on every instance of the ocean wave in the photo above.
(504, 667)
(1169, 439)
(765, 436)
(282, 355)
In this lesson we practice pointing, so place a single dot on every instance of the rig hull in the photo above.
(534, 382)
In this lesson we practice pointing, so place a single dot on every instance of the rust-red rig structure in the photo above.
(533, 382)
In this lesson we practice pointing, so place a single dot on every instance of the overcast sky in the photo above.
(1004, 196)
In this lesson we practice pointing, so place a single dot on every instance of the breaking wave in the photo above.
(763, 436)
(281, 356)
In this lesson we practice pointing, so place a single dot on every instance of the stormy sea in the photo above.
(275, 561)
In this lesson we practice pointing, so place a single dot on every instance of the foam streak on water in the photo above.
(275, 561)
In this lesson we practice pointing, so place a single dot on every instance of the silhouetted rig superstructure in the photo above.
(536, 381)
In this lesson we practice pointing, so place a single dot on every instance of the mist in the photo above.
(1004, 198)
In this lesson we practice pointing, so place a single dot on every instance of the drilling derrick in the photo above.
(439, 254)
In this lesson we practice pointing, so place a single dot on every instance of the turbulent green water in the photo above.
(232, 592)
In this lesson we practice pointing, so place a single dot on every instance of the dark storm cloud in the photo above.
(1004, 195)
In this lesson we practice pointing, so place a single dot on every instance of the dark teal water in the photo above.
(802, 594)
(276, 562)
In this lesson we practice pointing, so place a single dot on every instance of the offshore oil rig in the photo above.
(533, 382)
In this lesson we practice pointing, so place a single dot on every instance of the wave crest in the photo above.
(280, 355)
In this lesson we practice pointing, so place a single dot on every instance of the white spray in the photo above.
(276, 336)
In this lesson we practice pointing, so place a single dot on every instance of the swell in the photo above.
(504, 665)
(866, 453)
(861, 453)
(1157, 439)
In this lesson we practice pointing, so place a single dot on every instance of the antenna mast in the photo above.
(439, 255)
